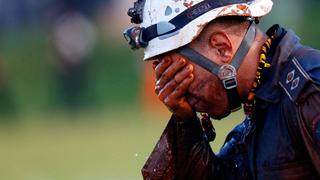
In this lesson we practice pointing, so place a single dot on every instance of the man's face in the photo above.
(206, 93)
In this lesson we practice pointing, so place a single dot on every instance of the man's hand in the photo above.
(173, 78)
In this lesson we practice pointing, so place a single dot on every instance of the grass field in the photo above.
(88, 146)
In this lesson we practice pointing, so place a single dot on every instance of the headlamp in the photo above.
(134, 38)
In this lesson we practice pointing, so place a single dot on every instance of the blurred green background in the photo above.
(81, 113)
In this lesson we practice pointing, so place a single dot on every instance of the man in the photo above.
(210, 57)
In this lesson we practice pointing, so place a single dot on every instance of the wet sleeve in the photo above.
(183, 152)
(309, 124)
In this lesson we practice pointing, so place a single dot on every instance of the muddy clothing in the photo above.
(281, 140)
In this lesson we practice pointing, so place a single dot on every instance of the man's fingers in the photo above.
(184, 73)
(181, 89)
(162, 88)
(167, 89)
(162, 66)
(179, 77)
(155, 64)
(174, 100)
(170, 72)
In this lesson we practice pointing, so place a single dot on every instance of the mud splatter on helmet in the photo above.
(166, 25)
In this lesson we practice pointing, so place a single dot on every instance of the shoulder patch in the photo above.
(294, 79)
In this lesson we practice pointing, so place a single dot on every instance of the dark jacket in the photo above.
(281, 141)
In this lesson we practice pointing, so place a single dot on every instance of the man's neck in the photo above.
(247, 71)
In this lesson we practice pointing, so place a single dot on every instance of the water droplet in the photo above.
(177, 10)
(168, 11)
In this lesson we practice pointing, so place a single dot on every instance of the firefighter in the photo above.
(210, 57)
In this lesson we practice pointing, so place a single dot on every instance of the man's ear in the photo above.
(222, 46)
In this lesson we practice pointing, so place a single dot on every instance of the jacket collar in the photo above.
(285, 43)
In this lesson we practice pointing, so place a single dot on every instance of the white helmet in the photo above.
(166, 25)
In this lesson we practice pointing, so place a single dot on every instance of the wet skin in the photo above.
(185, 88)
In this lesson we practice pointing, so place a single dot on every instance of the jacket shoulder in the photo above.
(309, 59)
(300, 72)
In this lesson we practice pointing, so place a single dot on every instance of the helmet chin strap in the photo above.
(227, 72)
